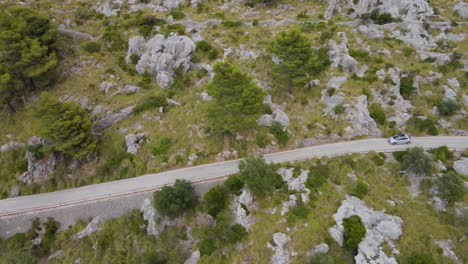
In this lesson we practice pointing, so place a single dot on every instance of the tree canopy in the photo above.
(28, 44)
(450, 187)
(66, 124)
(216, 199)
(295, 59)
(417, 161)
(237, 101)
(354, 231)
(259, 176)
(174, 200)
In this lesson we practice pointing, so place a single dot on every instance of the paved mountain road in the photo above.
(203, 173)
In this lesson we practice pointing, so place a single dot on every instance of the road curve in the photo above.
(206, 173)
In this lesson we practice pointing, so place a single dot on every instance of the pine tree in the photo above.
(66, 124)
(27, 50)
(237, 100)
(294, 53)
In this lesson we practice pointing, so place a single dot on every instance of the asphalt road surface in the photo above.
(205, 173)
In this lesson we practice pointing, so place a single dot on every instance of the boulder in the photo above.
(93, 226)
(133, 142)
(371, 31)
(193, 259)
(12, 145)
(320, 248)
(449, 94)
(241, 216)
(380, 227)
(39, 168)
(359, 117)
(280, 254)
(130, 88)
(161, 55)
(461, 8)
(461, 166)
(339, 56)
(107, 86)
(114, 117)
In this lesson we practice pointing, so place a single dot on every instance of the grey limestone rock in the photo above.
(241, 216)
(461, 166)
(446, 246)
(461, 8)
(280, 254)
(93, 226)
(339, 54)
(193, 259)
(133, 142)
(114, 117)
(320, 248)
(12, 145)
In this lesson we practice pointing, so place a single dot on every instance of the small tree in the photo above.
(407, 88)
(66, 124)
(354, 231)
(451, 187)
(417, 161)
(216, 199)
(377, 113)
(174, 200)
(259, 176)
(294, 53)
(237, 100)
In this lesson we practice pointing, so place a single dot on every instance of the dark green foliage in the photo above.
(379, 18)
(359, 54)
(177, 14)
(113, 39)
(92, 47)
(261, 139)
(447, 107)
(442, 153)
(280, 133)
(231, 24)
(417, 161)
(236, 233)
(295, 53)
(13, 163)
(298, 212)
(150, 102)
(162, 146)
(17, 257)
(206, 247)
(146, 24)
(450, 187)
(454, 64)
(154, 258)
(320, 258)
(28, 48)
(173, 28)
(134, 58)
(339, 109)
(51, 228)
(427, 125)
(174, 200)
(354, 231)
(318, 176)
(216, 199)
(361, 189)
(259, 176)
(377, 113)
(234, 184)
(237, 100)
(407, 88)
(418, 258)
(204, 48)
(66, 124)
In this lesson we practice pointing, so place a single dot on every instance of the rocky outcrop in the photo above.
(359, 117)
(278, 114)
(39, 168)
(114, 117)
(461, 166)
(339, 54)
(371, 31)
(12, 145)
(160, 56)
(296, 184)
(150, 215)
(193, 258)
(241, 206)
(107, 86)
(113, 7)
(332, 7)
(446, 246)
(133, 142)
(280, 255)
(93, 226)
(380, 228)
(320, 248)
(461, 8)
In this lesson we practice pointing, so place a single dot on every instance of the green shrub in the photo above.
(377, 113)
(318, 176)
(134, 58)
(359, 54)
(427, 125)
(451, 187)
(298, 212)
(162, 146)
(280, 133)
(92, 47)
(206, 49)
(174, 200)
(442, 153)
(354, 231)
(379, 18)
(231, 24)
(453, 65)
(320, 258)
(216, 199)
(236, 233)
(361, 189)
(261, 139)
(259, 176)
(418, 258)
(150, 102)
(407, 88)
(417, 161)
(207, 247)
(339, 109)
(177, 14)
(234, 184)
(447, 107)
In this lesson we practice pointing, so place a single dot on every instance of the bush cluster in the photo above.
(280, 133)
(204, 48)
(172, 201)
(150, 102)
(259, 176)
(92, 47)
(354, 231)
(417, 161)
(216, 199)
(450, 187)
(377, 113)
(318, 176)
(447, 107)
(361, 189)
(407, 88)
(427, 125)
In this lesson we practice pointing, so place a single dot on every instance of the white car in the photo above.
(400, 139)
